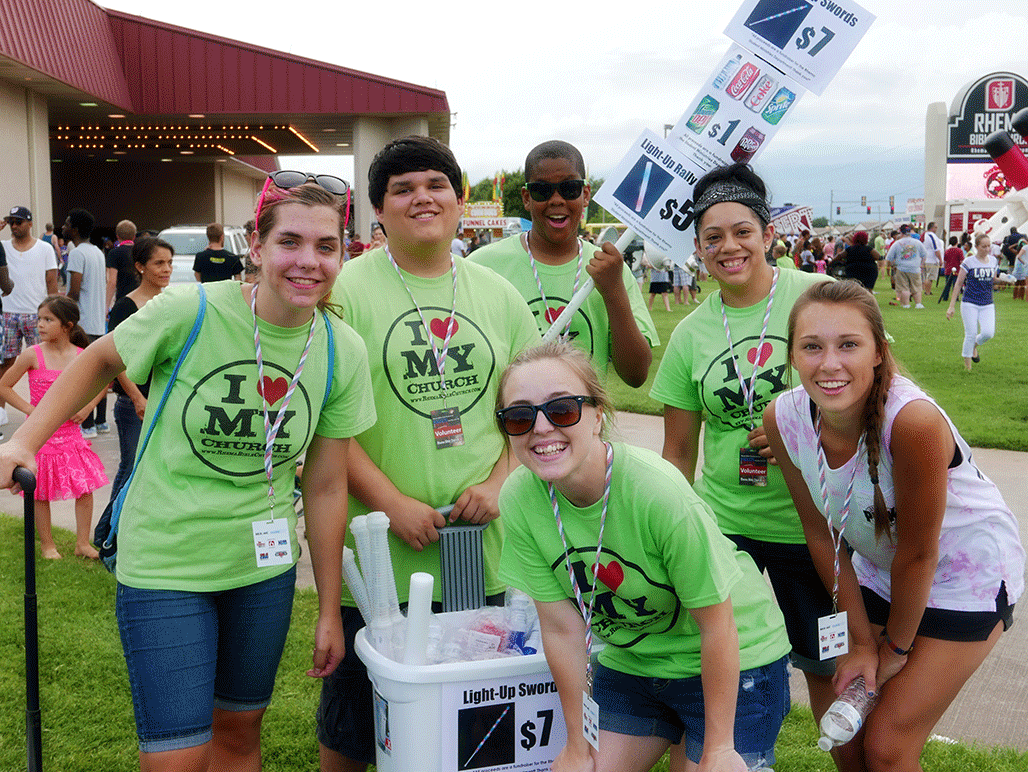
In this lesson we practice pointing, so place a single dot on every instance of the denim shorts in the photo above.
(669, 708)
(800, 595)
(190, 652)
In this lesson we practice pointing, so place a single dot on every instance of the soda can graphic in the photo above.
(764, 87)
(742, 81)
(704, 111)
(747, 145)
(778, 106)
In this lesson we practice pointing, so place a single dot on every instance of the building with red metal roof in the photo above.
(162, 125)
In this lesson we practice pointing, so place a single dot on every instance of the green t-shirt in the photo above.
(785, 262)
(590, 326)
(662, 555)
(698, 374)
(880, 245)
(493, 326)
(186, 522)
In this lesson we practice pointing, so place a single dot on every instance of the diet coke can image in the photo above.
(778, 105)
(764, 88)
(748, 145)
(704, 111)
(742, 81)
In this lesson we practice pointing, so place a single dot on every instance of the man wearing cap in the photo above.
(908, 255)
(32, 268)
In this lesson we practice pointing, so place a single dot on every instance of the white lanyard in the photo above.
(748, 393)
(822, 474)
(587, 613)
(539, 283)
(451, 322)
(271, 430)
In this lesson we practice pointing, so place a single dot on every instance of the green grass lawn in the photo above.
(87, 709)
(988, 405)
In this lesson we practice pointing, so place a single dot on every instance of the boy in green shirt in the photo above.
(439, 330)
(548, 264)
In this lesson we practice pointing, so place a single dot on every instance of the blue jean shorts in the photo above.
(671, 708)
(190, 652)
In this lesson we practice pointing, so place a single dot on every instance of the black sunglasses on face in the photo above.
(543, 191)
(15, 220)
(562, 412)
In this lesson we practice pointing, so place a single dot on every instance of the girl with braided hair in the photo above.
(937, 563)
(722, 366)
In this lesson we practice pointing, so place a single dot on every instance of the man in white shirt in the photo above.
(87, 286)
(934, 246)
(32, 270)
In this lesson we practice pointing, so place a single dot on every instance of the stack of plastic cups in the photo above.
(378, 530)
(355, 582)
(380, 627)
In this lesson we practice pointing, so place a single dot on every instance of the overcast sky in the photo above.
(597, 73)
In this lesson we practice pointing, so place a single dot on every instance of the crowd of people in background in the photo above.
(426, 338)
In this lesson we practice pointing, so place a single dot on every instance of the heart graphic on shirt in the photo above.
(272, 390)
(438, 326)
(611, 574)
(553, 313)
(765, 354)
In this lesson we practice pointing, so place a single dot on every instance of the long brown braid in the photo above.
(853, 294)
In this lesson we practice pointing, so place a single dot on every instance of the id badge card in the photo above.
(447, 428)
(271, 543)
(833, 636)
(752, 468)
(590, 720)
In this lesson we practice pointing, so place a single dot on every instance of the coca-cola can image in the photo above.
(763, 88)
(742, 81)
(747, 145)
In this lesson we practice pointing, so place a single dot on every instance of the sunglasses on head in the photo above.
(286, 180)
(562, 412)
(543, 191)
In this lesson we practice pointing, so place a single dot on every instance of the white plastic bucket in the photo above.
(493, 715)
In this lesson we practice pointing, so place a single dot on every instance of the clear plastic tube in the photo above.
(355, 582)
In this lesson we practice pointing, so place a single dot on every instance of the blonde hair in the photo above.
(576, 361)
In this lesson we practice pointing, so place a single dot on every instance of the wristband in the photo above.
(892, 645)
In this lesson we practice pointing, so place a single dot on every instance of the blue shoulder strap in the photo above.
(331, 359)
(120, 500)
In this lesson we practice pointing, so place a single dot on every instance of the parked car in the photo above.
(187, 240)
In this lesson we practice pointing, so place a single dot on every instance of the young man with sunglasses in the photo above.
(439, 330)
(548, 264)
(29, 276)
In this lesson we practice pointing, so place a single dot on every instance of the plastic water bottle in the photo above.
(846, 715)
(728, 71)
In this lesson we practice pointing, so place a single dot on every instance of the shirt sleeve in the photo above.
(674, 385)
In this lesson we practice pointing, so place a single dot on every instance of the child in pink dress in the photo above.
(66, 466)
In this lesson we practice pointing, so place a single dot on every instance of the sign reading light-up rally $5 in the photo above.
(783, 48)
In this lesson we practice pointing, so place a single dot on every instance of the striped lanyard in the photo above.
(451, 322)
(748, 393)
(539, 282)
(587, 613)
(822, 478)
(271, 430)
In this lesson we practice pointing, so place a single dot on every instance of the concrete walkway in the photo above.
(992, 709)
